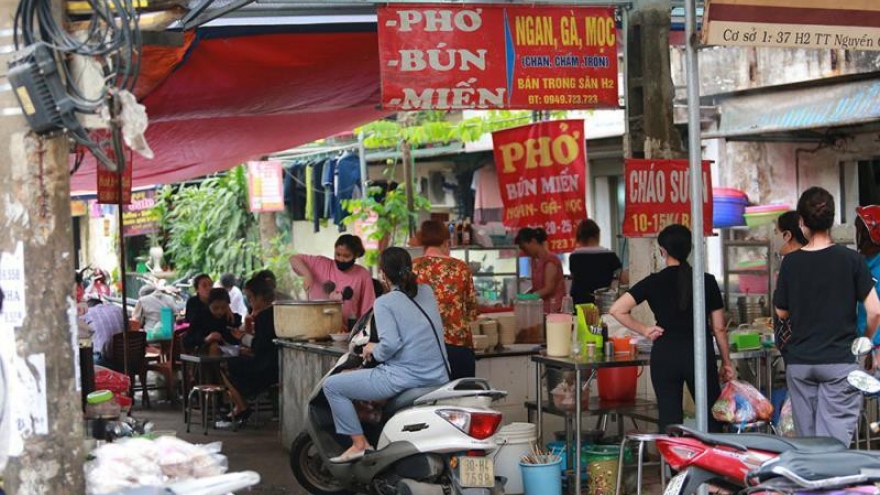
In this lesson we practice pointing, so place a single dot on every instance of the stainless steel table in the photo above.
(580, 367)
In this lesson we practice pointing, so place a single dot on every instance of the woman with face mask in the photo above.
(338, 278)
(669, 293)
(788, 227)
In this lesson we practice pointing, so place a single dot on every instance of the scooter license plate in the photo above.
(676, 484)
(476, 472)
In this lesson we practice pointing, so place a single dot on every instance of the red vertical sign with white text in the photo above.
(658, 195)
(542, 169)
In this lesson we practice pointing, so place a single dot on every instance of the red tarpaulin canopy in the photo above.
(237, 96)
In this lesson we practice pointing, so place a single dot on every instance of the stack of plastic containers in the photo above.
(728, 207)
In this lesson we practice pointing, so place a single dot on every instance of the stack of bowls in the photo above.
(755, 216)
(728, 207)
(489, 328)
(481, 343)
(506, 328)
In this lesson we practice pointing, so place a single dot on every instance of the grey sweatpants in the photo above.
(822, 402)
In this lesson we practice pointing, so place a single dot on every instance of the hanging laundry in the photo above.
(348, 182)
(295, 190)
(488, 206)
(310, 191)
(327, 180)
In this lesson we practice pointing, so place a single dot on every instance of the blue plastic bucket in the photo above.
(167, 320)
(542, 479)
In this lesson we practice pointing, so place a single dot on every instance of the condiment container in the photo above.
(559, 335)
(529, 312)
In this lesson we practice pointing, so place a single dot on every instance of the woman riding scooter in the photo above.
(410, 351)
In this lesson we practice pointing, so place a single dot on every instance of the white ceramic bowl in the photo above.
(339, 337)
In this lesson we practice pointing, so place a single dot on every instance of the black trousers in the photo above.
(672, 367)
(462, 361)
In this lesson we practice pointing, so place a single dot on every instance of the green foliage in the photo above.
(277, 259)
(423, 128)
(392, 214)
(208, 227)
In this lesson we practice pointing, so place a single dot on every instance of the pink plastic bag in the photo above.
(740, 402)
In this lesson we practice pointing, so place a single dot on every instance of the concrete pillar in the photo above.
(43, 379)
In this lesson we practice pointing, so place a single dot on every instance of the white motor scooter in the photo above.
(429, 441)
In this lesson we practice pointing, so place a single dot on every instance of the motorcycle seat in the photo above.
(779, 444)
(767, 443)
(405, 399)
(821, 465)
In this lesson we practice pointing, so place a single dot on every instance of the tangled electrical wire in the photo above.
(112, 38)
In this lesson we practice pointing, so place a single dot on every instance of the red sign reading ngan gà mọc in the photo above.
(492, 56)
(541, 173)
(658, 195)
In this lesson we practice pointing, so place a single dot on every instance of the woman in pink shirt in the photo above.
(325, 278)
(547, 278)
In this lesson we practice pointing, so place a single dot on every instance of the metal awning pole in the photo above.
(695, 154)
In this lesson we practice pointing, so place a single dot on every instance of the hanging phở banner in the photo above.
(141, 216)
(658, 194)
(829, 24)
(265, 186)
(495, 56)
(541, 174)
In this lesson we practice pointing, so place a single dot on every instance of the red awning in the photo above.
(238, 97)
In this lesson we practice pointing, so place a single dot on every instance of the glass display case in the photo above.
(496, 272)
(749, 264)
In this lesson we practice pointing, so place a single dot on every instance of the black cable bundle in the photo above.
(113, 38)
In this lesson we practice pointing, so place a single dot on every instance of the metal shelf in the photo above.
(729, 244)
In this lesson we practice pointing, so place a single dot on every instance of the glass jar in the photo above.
(101, 404)
(529, 312)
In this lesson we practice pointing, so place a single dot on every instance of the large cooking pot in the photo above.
(306, 320)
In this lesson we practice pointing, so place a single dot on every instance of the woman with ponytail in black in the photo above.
(669, 293)
(410, 350)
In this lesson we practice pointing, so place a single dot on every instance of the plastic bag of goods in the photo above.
(140, 462)
(740, 402)
(786, 419)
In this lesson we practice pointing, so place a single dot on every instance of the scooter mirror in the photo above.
(863, 382)
(862, 346)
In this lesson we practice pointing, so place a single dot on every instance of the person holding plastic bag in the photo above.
(741, 403)
(818, 288)
(669, 293)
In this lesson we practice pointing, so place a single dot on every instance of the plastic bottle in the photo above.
(452, 236)
(466, 232)
(567, 305)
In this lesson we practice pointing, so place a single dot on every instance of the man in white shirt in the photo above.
(236, 298)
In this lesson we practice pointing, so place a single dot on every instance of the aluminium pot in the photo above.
(308, 320)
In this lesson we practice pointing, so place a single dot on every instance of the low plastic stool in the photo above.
(642, 438)
(206, 394)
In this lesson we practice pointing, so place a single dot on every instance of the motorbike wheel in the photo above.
(308, 468)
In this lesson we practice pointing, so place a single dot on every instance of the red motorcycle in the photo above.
(726, 459)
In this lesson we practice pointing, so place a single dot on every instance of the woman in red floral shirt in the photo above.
(451, 280)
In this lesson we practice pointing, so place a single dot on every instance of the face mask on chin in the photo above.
(344, 265)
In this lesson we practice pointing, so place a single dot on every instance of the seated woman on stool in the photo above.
(410, 351)
(220, 329)
(256, 368)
